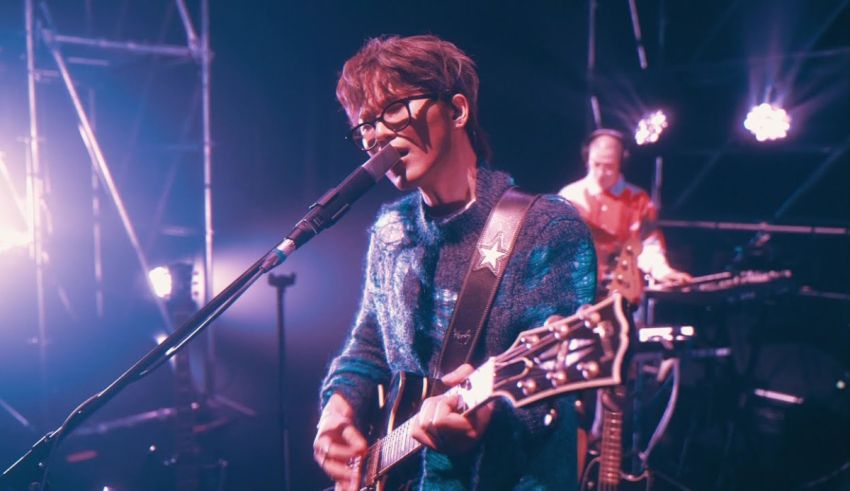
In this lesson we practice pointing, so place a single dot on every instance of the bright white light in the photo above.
(160, 281)
(650, 127)
(14, 229)
(768, 122)
(159, 337)
(11, 239)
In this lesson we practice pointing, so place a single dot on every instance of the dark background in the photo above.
(278, 135)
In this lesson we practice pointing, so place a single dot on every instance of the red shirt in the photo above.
(614, 216)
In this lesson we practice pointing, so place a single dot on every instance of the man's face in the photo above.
(604, 160)
(424, 144)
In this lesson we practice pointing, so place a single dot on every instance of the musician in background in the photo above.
(419, 94)
(618, 211)
(621, 216)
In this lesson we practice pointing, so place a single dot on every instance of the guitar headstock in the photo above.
(583, 351)
(626, 277)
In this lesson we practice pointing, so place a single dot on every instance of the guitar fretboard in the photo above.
(399, 443)
(611, 448)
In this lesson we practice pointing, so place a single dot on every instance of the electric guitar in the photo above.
(604, 471)
(583, 351)
(623, 275)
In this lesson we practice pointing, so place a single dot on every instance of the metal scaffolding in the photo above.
(40, 28)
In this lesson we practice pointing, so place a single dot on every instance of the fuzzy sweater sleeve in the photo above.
(361, 365)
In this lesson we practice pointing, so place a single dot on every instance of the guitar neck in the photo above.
(398, 443)
(611, 448)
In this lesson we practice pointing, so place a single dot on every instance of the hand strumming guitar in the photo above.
(441, 423)
(337, 442)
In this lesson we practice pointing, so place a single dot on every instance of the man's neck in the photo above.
(454, 186)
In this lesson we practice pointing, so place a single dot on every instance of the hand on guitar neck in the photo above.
(444, 424)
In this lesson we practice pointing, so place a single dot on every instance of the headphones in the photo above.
(619, 136)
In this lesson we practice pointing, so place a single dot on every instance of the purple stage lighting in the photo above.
(768, 122)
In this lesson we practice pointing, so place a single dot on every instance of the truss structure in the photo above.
(41, 29)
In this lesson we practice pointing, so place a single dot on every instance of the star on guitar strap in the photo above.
(489, 261)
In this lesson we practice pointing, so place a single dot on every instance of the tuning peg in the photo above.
(589, 370)
(588, 315)
(557, 378)
(550, 417)
(528, 386)
(560, 330)
(529, 341)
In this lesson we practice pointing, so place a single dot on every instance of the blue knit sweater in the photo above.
(416, 265)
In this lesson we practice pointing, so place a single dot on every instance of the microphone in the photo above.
(335, 203)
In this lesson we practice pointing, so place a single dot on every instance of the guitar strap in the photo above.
(489, 261)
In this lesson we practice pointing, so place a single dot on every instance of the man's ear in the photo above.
(460, 110)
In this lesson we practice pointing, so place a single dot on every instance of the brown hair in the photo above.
(385, 64)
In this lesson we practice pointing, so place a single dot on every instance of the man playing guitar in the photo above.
(419, 94)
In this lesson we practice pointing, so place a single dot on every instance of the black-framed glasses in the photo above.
(396, 116)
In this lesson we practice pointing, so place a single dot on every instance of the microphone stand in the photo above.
(29, 472)
(281, 283)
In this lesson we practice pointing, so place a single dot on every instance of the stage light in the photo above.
(14, 226)
(160, 279)
(768, 122)
(159, 337)
(12, 239)
(650, 127)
